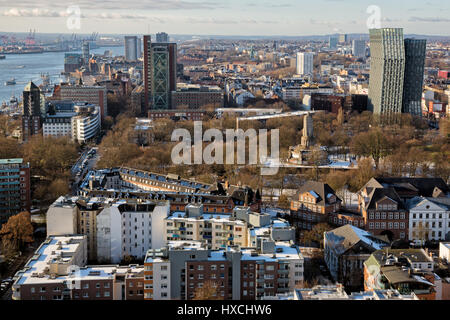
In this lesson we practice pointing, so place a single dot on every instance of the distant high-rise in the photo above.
(162, 37)
(131, 48)
(387, 70)
(415, 52)
(160, 73)
(332, 42)
(359, 48)
(396, 72)
(85, 53)
(31, 113)
(343, 38)
(305, 63)
(139, 47)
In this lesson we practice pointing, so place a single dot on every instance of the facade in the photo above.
(85, 53)
(31, 113)
(396, 73)
(387, 71)
(218, 231)
(72, 62)
(429, 219)
(359, 48)
(15, 186)
(305, 63)
(195, 97)
(329, 103)
(96, 95)
(160, 67)
(345, 250)
(313, 204)
(384, 212)
(80, 122)
(248, 274)
(415, 53)
(332, 42)
(131, 48)
(130, 229)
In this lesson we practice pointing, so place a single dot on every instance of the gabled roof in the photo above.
(348, 236)
(321, 189)
(378, 194)
(422, 186)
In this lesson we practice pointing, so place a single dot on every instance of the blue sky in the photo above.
(226, 17)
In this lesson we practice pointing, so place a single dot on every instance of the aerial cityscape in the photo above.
(182, 150)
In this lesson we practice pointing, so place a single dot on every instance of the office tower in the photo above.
(359, 48)
(85, 53)
(139, 47)
(160, 78)
(15, 194)
(332, 42)
(305, 63)
(387, 71)
(131, 48)
(415, 52)
(396, 72)
(31, 113)
(162, 37)
(96, 95)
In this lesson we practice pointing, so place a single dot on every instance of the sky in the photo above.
(224, 17)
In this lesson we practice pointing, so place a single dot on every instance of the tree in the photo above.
(283, 202)
(18, 230)
(316, 234)
(9, 148)
(209, 291)
(373, 144)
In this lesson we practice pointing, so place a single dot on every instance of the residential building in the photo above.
(444, 251)
(326, 102)
(58, 271)
(384, 212)
(31, 113)
(246, 274)
(336, 292)
(305, 63)
(15, 186)
(406, 270)
(129, 228)
(345, 250)
(312, 205)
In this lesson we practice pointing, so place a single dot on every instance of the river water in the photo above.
(26, 67)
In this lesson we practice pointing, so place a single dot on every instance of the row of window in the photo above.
(390, 225)
(390, 216)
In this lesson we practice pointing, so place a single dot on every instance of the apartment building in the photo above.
(406, 270)
(248, 274)
(345, 250)
(313, 204)
(189, 96)
(58, 271)
(15, 194)
(130, 229)
(218, 231)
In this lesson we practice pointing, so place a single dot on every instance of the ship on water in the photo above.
(2, 57)
(10, 82)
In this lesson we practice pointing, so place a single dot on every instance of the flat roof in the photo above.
(11, 161)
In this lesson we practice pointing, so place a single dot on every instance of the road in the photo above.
(90, 164)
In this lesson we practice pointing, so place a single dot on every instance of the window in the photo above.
(213, 267)
(107, 294)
